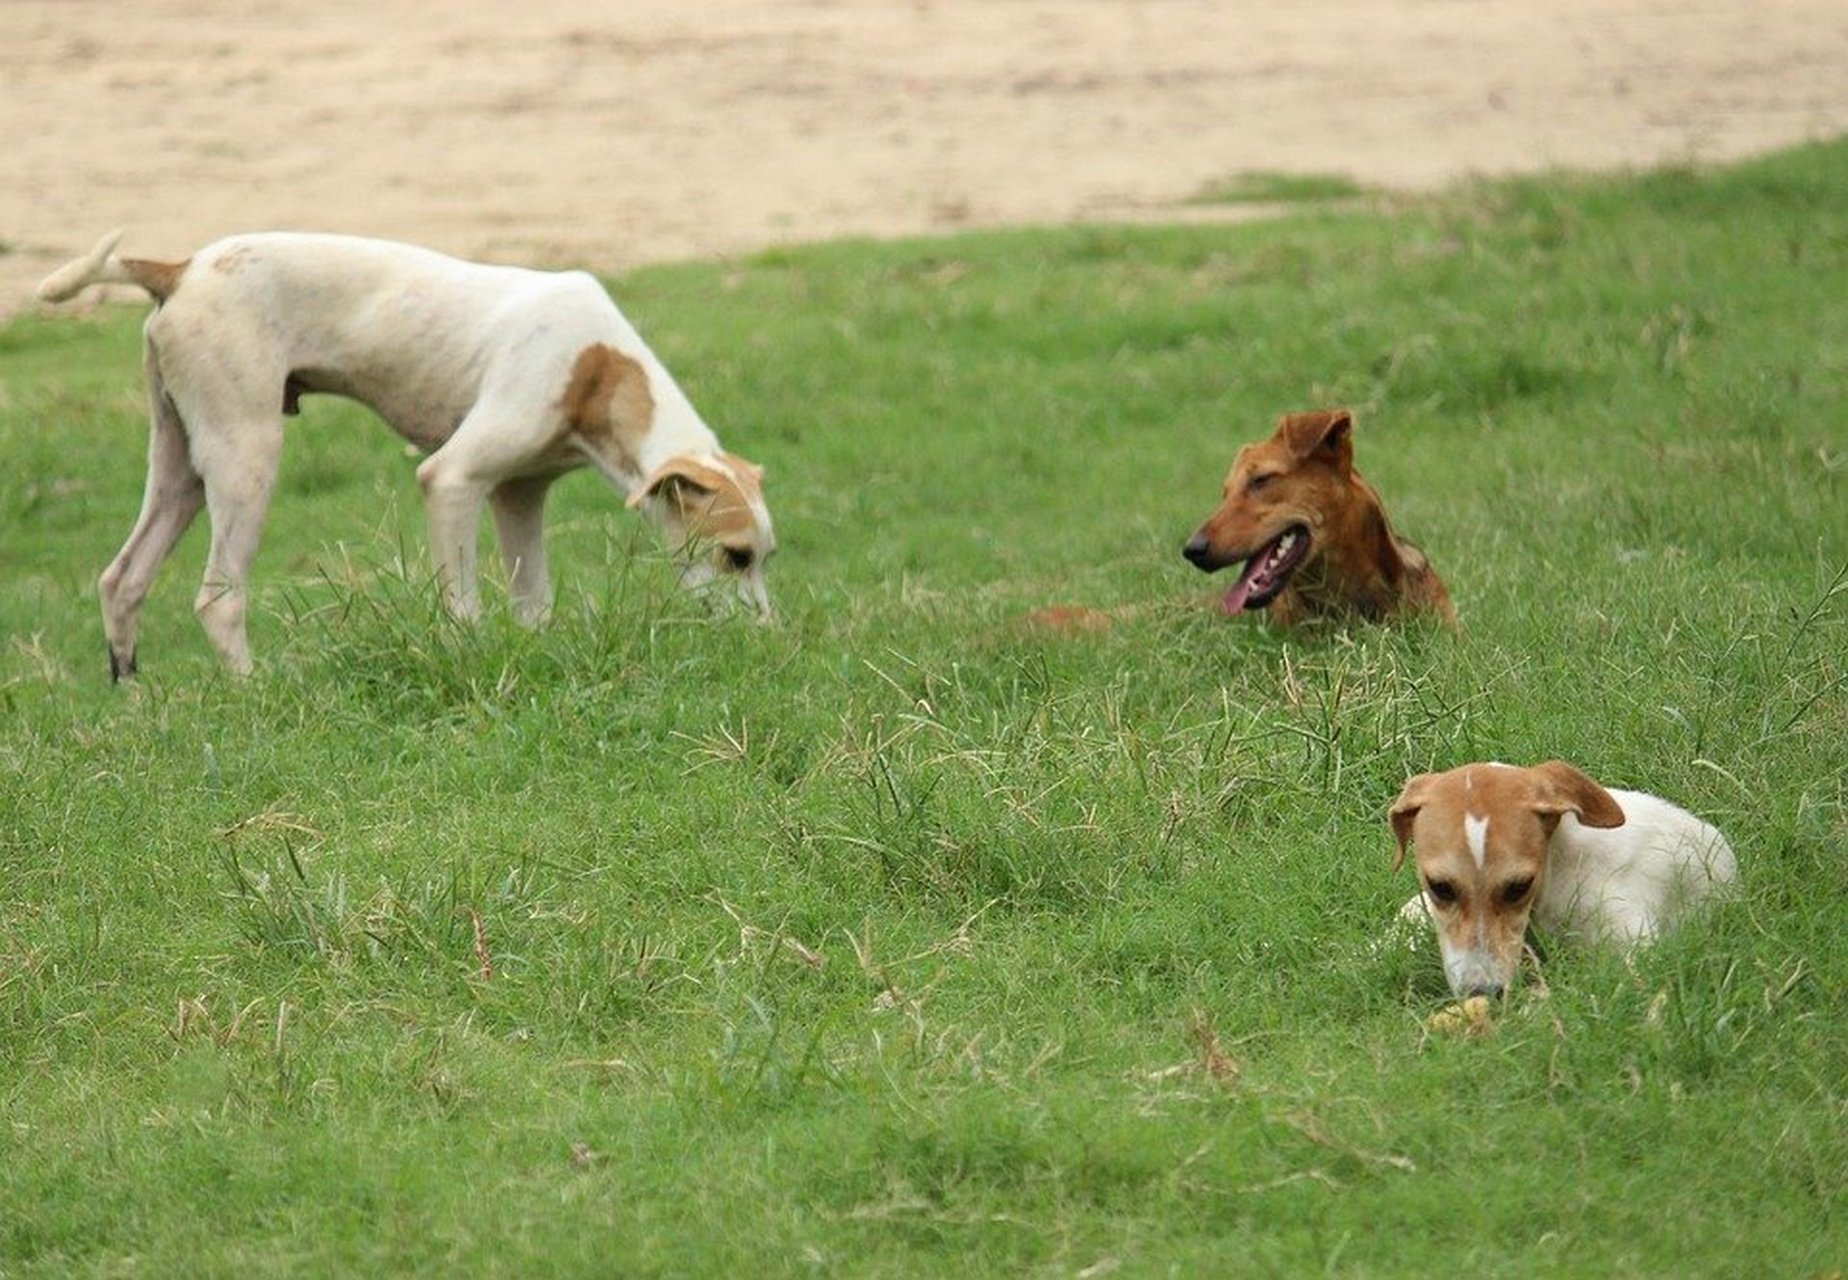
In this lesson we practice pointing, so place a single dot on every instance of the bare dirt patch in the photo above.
(614, 132)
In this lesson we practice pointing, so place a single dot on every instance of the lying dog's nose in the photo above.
(1492, 990)
(1196, 550)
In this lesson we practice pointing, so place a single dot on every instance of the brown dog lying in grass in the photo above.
(1311, 533)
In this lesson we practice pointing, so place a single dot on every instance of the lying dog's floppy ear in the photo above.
(674, 474)
(1325, 433)
(1563, 789)
(1404, 810)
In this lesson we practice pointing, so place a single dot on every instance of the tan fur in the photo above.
(1356, 566)
(1481, 898)
(1070, 618)
(1548, 790)
(160, 279)
(608, 406)
(705, 503)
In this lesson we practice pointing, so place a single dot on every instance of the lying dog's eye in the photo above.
(737, 558)
(1258, 482)
(1515, 890)
(1442, 892)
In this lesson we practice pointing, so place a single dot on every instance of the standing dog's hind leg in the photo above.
(173, 496)
(240, 474)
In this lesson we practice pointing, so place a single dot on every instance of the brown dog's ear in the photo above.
(675, 477)
(1404, 810)
(1563, 789)
(1324, 433)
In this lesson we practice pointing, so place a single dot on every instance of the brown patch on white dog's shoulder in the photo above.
(608, 405)
(158, 278)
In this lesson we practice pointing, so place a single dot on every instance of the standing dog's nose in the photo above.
(1196, 550)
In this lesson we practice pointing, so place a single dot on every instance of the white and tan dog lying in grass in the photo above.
(508, 377)
(1496, 844)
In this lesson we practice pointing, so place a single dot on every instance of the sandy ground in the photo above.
(614, 132)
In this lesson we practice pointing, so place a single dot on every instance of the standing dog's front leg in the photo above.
(519, 513)
(491, 453)
(452, 505)
(453, 492)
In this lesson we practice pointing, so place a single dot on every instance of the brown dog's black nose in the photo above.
(1197, 552)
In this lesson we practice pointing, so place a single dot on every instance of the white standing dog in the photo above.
(1495, 843)
(508, 377)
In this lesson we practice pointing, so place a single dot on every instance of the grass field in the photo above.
(892, 939)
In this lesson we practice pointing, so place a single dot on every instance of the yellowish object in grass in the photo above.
(1468, 1018)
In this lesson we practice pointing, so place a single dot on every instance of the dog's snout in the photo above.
(1473, 971)
(1197, 551)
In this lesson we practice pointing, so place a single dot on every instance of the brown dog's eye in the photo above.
(1515, 890)
(1259, 482)
(1442, 892)
(739, 559)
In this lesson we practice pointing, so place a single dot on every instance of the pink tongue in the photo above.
(1235, 598)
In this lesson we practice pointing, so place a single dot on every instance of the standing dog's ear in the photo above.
(1405, 810)
(675, 478)
(1322, 433)
(751, 470)
(1563, 789)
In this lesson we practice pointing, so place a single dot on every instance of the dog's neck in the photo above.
(1361, 569)
(676, 431)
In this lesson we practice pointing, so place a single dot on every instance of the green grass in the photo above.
(1272, 187)
(891, 939)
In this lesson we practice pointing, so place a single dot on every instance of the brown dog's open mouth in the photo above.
(1268, 570)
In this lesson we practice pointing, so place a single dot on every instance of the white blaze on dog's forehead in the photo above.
(1476, 832)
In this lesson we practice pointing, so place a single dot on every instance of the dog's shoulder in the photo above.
(1422, 589)
(1412, 555)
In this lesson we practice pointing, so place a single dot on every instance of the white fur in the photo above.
(1476, 833)
(1472, 969)
(1626, 884)
(1620, 886)
(468, 361)
(79, 274)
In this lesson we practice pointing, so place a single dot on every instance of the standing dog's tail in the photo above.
(95, 267)
(101, 266)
